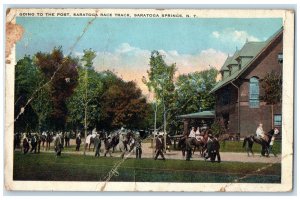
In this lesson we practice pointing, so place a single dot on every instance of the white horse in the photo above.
(90, 140)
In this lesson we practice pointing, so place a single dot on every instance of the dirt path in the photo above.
(225, 156)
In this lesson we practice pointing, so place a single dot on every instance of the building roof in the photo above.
(226, 63)
(209, 114)
(251, 50)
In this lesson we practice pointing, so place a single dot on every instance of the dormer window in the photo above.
(240, 65)
(280, 58)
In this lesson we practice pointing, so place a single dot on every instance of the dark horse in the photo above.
(264, 142)
(183, 144)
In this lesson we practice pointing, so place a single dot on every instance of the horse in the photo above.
(264, 142)
(121, 140)
(90, 140)
(182, 144)
(201, 144)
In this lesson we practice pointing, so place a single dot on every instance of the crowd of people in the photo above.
(128, 141)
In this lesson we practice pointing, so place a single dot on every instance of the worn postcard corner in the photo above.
(149, 100)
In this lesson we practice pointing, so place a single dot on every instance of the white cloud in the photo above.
(216, 34)
(234, 36)
(132, 63)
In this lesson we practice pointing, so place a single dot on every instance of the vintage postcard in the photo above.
(149, 100)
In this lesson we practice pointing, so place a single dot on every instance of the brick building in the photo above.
(238, 93)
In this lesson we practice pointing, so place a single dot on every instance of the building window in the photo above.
(254, 93)
(277, 120)
(280, 58)
(225, 98)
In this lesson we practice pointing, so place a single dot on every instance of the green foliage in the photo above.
(161, 82)
(272, 85)
(218, 128)
(192, 91)
(27, 81)
(61, 73)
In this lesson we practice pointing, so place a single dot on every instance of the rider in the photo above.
(198, 135)
(260, 131)
(193, 132)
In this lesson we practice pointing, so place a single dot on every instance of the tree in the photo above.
(161, 83)
(61, 75)
(124, 105)
(272, 85)
(26, 82)
(192, 91)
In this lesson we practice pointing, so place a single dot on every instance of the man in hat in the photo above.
(25, 144)
(216, 149)
(108, 146)
(33, 143)
(189, 147)
(209, 146)
(138, 146)
(78, 142)
(97, 144)
(57, 144)
(159, 146)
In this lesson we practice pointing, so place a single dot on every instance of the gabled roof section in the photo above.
(229, 61)
(252, 50)
(226, 63)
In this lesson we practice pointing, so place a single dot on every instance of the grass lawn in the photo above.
(45, 166)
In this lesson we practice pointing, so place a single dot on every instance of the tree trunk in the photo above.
(165, 127)
(272, 112)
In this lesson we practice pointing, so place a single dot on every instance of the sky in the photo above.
(124, 45)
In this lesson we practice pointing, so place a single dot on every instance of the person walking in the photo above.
(216, 150)
(33, 143)
(78, 142)
(97, 144)
(209, 147)
(189, 148)
(25, 144)
(276, 132)
(160, 146)
(138, 146)
(108, 146)
(58, 144)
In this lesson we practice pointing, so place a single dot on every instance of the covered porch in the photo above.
(198, 119)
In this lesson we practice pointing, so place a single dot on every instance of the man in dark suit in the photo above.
(97, 143)
(160, 146)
